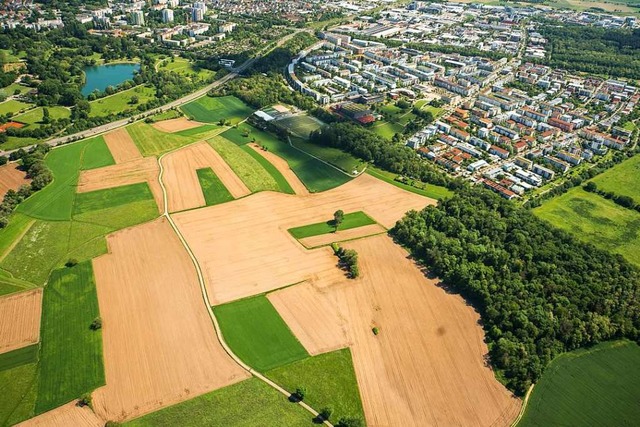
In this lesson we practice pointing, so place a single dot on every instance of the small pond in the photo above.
(102, 76)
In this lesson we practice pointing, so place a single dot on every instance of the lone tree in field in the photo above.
(338, 217)
(299, 394)
(325, 413)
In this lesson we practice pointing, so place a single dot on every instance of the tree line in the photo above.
(539, 290)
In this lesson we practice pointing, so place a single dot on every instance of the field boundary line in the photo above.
(523, 407)
(205, 297)
(327, 163)
(13, 244)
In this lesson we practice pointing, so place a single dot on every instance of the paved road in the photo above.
(185, 99)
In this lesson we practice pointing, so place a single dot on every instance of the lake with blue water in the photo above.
(102, 76)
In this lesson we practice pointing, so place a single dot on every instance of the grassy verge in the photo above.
(213, 189)
(250, 403)
(427, 190)
(351, 220)
(257, 334)
(71, 354)
(255, 177)
(594, 219)
(597, 386)
(329, 380)
(281, 181)
(211, 110)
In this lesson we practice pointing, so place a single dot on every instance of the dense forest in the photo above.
(371, 147)
(540, 291)
(281, 56)
(593, 50)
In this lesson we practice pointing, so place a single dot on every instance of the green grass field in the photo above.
(427, 190)
(281, 181)
(257, 334)
(184, 67)
(248, 169)
(250, 403)
(18, 225)
(213, 189)
(314, 174)
(71, 353)
(623, 179)
(13, 87)
(351, 220)
(18, 388)
(111, 197)
(300, 126)
(336, 157)
(19, 357)
(152, 142)
(166, 115)
(121, 101)
(329, 380)
(599, 386)
(387, 129)
(34, 117)
(97, 155)
(198, 130)
(594, 219)
(9, 284)
(12, 106)
(211, 110)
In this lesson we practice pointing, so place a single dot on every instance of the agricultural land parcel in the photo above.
(211, 110)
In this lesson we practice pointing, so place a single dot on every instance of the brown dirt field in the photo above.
(341, 236)
(122, 147)
(176, 125)
(20, 319)
(261, 255)
(65, 416)
(181, 181)
(282, 165)
(159, 344)
(142, 170)
(11, 178)
(426, 367)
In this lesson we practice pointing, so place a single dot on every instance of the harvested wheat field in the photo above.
(20, 319)
(342, 235)
(282, 166)
(176, 125)
(426, 367)
(159, 344)
(67, 415)
(11, 178)
(244, 248)
(142, 170)
(122, 147)
(181, 180)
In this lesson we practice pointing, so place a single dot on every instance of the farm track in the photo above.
(205, 297)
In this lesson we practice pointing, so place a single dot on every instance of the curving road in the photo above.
(178, 102)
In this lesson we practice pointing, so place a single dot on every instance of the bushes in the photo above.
(348, 260)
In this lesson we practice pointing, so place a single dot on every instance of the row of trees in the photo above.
(371, 147)
(348, 260)
(624, 201)
(33, 163)
(539, 290)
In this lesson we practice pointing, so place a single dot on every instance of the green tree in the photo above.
(338, 217)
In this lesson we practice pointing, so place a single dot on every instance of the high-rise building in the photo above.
(197, 14)
(167, 15)
(200, 5)
(137, 17)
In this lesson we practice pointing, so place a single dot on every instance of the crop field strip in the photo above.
(20, 319)
(596, 386)
(19, 357)
(281, 165)
(351, 220)
(213, 189)
(281, 181)
(176, 125)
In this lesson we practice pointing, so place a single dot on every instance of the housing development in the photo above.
(345, 213)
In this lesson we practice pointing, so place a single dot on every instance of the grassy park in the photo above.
(257, 334)
(34, 117)
(350, 220)
(213, 189)
(211, 110)
(122, 101)
(12, 106)
(588, 387)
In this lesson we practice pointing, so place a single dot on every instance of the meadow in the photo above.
(18, 388)
(71, 352)
(336, 157)
(300, 125)
(250, 403)
(329, 380)
(623, 179)
(211, 110)
(257, 334)
(426, 190)
(589, 387)
(214, 191)
(151, 141)
(596, 220)
(281, 181)
(121, 101)
(351, 220)
(35, 116)
(184, 67)
(19, 357)
(315, 175)
(12, 106)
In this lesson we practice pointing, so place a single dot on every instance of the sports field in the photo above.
(250, 403)
(315, 175)
(599, 386)
(211, 110)
(71, 353)
(622, 179)
(329, 380)
(350, 220)
(257, 334)
(594, 219)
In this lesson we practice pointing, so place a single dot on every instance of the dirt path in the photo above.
(282, 166)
